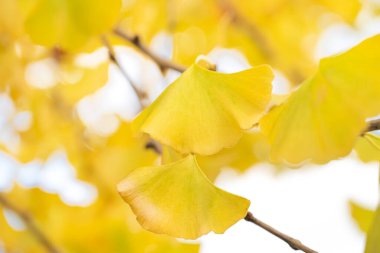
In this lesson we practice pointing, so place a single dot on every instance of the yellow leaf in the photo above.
(8, 23)
(123, 151)
(53, 127)
(348, 10)
(90, 80)
(204, 111)
(177, 199)
(322, 119)
(250, 149)
(373, 242)
(147, 17)
(169, 155)
(362, 216)
(368, 147)
(71, 23)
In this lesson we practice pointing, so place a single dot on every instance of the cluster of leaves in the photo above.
(203, 121)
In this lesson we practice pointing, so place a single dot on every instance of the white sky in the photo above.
(310, 204)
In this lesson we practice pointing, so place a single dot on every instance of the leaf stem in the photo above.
(30, 224)
(293, 243)
(135, 40)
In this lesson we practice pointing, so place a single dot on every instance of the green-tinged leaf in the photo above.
(204, 111)
(177, 199)
(323, 118)
(373, 236)
(362, 216)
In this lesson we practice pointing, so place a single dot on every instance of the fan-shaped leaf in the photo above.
(322, 119)
(204, 111)
(177, 199)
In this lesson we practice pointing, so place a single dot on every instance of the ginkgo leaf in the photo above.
(70, 23)
(362, 216)
(348, 10)
(169, 155)
(322, 119)
(204, 111)
(250, 149)
(90, 80)
(373, 242)
(368, 147)
(177, 199)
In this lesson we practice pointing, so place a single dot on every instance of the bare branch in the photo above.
(112, 56)
(293, 243)
(135, 40)
(30, 224)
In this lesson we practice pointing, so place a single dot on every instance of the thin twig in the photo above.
(135, 40)
(293, 243)
(30, 224)
(155, 146)
(112, 56)
(373, 125)
(152, 144)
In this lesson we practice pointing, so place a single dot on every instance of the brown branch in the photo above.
(30, 224)
(293, 243)
(155, 146)
(373, 125)
(112, 56)
(135, 40)
(152, 144)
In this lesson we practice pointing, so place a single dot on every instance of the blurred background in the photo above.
(65, 109)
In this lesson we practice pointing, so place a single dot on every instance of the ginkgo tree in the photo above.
(163, 161)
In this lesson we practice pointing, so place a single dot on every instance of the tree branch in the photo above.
(30, 224)
(293, 243)
(373, 125)
(135, 40)
(152, 144)
(112, 56)
(155, 146)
